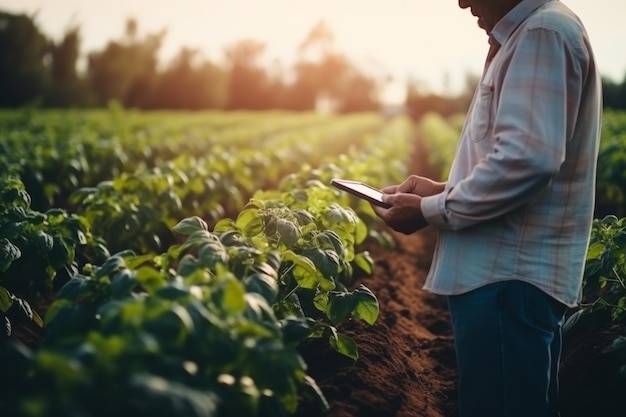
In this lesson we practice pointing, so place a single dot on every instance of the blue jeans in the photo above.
(508, 345)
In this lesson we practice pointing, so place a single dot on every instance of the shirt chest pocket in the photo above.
(480, 117)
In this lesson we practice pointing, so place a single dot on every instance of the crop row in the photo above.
(56, 152)
(208, 323)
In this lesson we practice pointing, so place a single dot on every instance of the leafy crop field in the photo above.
(199, 264)
(183, 257)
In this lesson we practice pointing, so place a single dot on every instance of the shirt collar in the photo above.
(505, 27)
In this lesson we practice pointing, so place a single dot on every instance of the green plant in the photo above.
(605, 269)
(317, 246)
(38, 251)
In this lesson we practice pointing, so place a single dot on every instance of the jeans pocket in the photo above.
(541, 309)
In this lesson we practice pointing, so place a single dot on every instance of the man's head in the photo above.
(489, 12)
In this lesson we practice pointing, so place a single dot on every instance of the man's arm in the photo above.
(540, 94)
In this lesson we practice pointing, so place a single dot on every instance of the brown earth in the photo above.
(406, 366)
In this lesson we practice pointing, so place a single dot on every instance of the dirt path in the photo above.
(407, 365)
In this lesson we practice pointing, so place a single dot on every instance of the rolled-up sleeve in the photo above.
(433, 209)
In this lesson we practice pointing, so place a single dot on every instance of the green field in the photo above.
(184, 257)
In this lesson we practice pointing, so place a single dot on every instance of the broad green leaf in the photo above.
(230, 296)
(8, 253)
(330, 237)
(231, 238)
(263, 284)
(306, 277)
(23, 308)
(595, 250)
(53, 310)
(163, 396)
(325, 261)
(123, 283)
(344, 345)
(296, 329)
(339, 215)
(16, 195)
(288, 231)
(13, 229)
(172, 327)
(250, 222)
(111, 265)
(6, 299)
(188, 265)
(37, 319)
(5, 325)
(340, 306)
(43, 241)
(133, 261)
(313, 392)
(259, 310)
(304, 271)
(78, 196)
(67, 372)
(173, 292)
(62, 253)
(360, 232)
(364, 261)
(304, 217)
(76, 228)
(191, 224)
(320, 300)
(224, 225)
(199, 237)
(213, 254)
(149, 278)
(366, 305)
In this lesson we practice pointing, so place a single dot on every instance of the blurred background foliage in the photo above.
(39, 71)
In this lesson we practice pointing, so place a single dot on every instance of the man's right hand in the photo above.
(418, 185)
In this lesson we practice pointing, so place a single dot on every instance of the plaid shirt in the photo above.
(519, 199)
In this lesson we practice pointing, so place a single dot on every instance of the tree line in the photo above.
(37, 70)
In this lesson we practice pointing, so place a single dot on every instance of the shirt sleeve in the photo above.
(531, 125)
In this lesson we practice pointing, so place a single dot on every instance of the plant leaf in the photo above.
(344, 345)
(8, 253)
(191, 224)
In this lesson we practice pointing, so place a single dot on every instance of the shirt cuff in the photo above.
(434, 210)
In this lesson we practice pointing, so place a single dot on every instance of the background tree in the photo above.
(248, 84)
(126, 69)
(323, 74)
(67, 87)
(614, 93)
(23, 49)
(191, 83)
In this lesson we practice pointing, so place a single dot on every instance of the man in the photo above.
(515, 214)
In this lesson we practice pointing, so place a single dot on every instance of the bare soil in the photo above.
(406, 366)
(407, 363)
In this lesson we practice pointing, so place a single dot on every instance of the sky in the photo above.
(431, 41)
